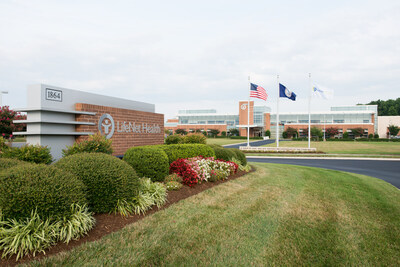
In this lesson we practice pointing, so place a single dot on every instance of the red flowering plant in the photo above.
(7, 126)
(184, 170)
(198, 169)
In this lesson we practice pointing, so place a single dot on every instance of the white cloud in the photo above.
(179, 54)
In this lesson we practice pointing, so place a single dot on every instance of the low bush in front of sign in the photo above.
(108, 179)
(29, 153)
(94, 143)
(148, 161)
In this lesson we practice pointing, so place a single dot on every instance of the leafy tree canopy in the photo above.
(389, 107)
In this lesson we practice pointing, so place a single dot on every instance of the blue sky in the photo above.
(198, 54)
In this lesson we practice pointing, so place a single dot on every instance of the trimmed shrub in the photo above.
(195, 139)
(223, 153)
(376, 136)
(239, 155)
(107, 178)
(148, 161)
(95, 143)
(30, 153)
(9, 163)
(183, 151)
(174, 139)
(46, 189)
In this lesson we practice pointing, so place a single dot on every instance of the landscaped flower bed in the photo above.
(199, 169)
(97, 185)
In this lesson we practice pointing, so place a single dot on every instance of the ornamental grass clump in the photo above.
(34, 234)
(150, 194)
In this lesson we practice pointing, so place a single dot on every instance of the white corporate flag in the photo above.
(321, 92)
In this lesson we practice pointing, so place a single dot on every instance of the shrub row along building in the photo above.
(343, 118)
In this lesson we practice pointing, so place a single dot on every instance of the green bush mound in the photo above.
(148, 161)
(195, 139)
(174, 139)
(29, 153)
(108, 179)
(46, 189)
(94, 143)
(6, 163)
(239, 155)
(183, 151)
(223, 153)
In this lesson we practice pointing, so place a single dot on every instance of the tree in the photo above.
(181, 131)
(387, 108)
(268, 133)
(234, 132)
(291, 132)
(7, 126)
(331, 132)
(357, 131)
(317, 132)
(223, 133)
(198, 131)
(214, 132)
(393, 130)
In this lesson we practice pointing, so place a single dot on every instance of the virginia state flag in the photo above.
(284, 92)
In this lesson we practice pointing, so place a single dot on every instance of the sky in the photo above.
(199, 54)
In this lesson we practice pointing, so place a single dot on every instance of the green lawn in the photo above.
(380, 148)
(225, 141)
(279, 215)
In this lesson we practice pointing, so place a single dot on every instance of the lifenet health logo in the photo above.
(106, 125)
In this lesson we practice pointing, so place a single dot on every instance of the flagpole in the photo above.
(248, 116)
(277, 116)
(309, 113)
(324, 127)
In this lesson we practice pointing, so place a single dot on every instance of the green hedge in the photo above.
(148, 161)
(107, 178)
(6, 163)
(47, 189)
(239, 155)
(182, 151)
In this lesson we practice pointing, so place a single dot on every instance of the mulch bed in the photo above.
(108, 223)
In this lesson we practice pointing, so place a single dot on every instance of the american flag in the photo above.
(258, 92)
